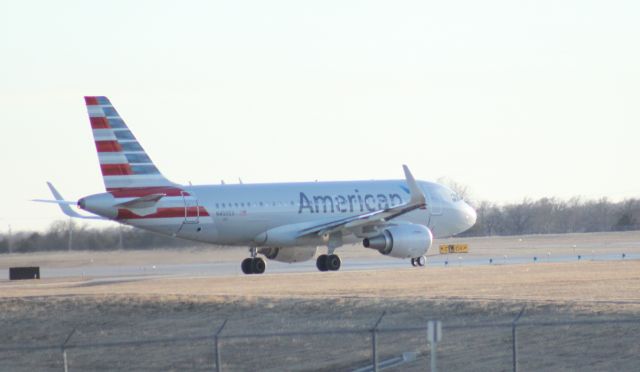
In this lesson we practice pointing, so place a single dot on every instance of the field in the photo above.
(44, 312)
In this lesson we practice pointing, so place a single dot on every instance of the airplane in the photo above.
(285, 222)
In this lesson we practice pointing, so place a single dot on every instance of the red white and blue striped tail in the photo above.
(123, 162)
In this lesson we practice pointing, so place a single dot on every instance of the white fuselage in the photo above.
(238, 214)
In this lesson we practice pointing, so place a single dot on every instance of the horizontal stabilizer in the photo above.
(66, 202)
(65, 205)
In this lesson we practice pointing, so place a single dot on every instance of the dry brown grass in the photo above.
(616, 282)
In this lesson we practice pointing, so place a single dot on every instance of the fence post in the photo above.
(64, 349)
(514, 339)
(374, 342)
(434, 335)
(218, 359)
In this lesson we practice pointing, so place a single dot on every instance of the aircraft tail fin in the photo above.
(123, 162)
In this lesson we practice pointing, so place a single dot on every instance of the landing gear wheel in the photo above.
(413, 262)
(246, 266)
(421, 261)
(255, 265)
(333, 262)
(258, 266)
(321, 262)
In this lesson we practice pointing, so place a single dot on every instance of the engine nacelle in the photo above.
(289, 254)
(402, 241)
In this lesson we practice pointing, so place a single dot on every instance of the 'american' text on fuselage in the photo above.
(347, 203)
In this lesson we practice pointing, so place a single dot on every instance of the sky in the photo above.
(512, 99)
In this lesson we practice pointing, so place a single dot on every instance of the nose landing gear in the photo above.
(419, 261)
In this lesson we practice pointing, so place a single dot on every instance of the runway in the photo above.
(232, 268)
(225, 262)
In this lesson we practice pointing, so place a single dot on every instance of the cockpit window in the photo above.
(440, 193)
(443, 193)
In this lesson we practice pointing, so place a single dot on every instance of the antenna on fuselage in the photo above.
(240, 180)
(222, 182)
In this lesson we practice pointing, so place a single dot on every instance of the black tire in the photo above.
(421, 261)
(258, 265)
(333, 262)
(321, 262)
(246, 266)
(413, 262)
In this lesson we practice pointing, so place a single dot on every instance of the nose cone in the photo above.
(465, 217)
(470, 216)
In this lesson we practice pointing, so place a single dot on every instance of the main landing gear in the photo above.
(253, 265)
(419, 261)
(328, 262)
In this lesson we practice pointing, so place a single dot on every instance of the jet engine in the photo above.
(289, 254)
(402, 241)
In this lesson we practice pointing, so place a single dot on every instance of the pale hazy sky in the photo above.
(512, 98)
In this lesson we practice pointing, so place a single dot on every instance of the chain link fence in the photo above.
(584, 344)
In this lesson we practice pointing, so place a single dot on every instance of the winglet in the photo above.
(417, 196)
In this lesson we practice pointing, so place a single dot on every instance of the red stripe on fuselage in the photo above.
(136, 192)
(99, 123)
(108, 146)
(125, 214)
(116, 169)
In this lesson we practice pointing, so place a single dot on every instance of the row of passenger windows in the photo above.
(254, 204)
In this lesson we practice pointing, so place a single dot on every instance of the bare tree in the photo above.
(458, 188)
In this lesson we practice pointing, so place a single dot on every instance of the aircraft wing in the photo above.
(417, 200)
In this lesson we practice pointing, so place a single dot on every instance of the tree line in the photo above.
(63, 235)
(542, 216)
(555, 216)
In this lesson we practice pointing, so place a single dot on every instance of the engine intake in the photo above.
(402, 241)
(383, 242)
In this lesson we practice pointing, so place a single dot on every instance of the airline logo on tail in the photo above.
(123, 162)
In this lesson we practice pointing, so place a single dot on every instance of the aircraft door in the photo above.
(191, 209)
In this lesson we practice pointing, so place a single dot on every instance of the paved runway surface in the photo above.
(232, 268)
